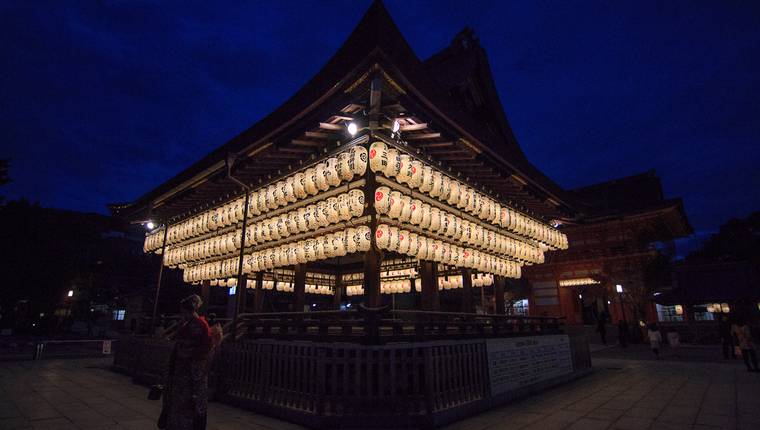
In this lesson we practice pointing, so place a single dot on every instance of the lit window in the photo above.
(118, 315)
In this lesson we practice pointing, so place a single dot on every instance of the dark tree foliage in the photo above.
(737, 240)
(49, 252)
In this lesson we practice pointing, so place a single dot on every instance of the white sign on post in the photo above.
(523, 361)
(106, 347)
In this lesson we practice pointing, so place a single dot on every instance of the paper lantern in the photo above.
(415, 212)
(437, 251)
(320, 214)
(456, 188)
(394, 163)
(396, 205)
(344, 207)
(287, 190)
(445, 188)
(321, 177)
(338, 244)
(427, 179)
(351, 245)
(414, 245)
(365, 236)
(331, 209)
(382, 236)
(437, 187)
(435, 219)
(426, 216)
(261, 200)
(393, 241)
(319, 248)
(331, 172)
(378, 156)
(415, 174)
(345, 172)
(358, 160)
(310, 181)
(382, 200)
(406, 209)
(356, 202)
(405, 169)
(422, 248)
(403, 242)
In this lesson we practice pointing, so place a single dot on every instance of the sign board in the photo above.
(519, 362)
(106, 347)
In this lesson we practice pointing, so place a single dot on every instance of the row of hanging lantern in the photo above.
(403, 208)
(575, 282)
(424, 248)
(308, 182)
(311, 217)
(405, 169)
(336, 244)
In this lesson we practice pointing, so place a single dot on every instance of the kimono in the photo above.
(186, 392)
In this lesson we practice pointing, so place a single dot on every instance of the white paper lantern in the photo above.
(351, 245)
(378, 156)
(344, 207)
(406, 209)
(382, 236)
(356, 202)
(331, 172)
(405, 169)
(365, 237)
(321, 177)
(358, 160)
(382, 200)
(394, 163)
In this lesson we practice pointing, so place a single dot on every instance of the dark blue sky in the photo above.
(103, 100)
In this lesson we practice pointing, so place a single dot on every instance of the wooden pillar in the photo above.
(299, 288)
(372, 259)
(338, 294)
(240, 293)
(467, 291)
(158, 282)
(206, 295)
(258, 293)
(498, 294)
(430, 299)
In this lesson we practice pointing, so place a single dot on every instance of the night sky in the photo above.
(101, 101)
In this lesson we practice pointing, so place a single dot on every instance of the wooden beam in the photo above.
(414, 127)
(295, 150)
(328, 126)
(301, 142)
(316, 135)
(436, 144)
(421, 136)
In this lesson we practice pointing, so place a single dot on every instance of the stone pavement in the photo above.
(638, 395)
(621, 394)
(84, 394)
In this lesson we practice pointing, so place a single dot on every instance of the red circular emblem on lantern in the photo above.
(414, 170)
(414, 207)
(379, 233)
(372, 153)
(401, 237)
(378, 196)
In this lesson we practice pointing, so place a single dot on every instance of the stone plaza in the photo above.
(632, 393)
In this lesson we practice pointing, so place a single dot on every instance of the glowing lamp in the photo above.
(679, 310)
(619, 288)
(150, 225)
(352, 129)
(70, 293)
(725, 308)
(396, 126)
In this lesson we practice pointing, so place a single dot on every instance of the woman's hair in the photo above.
(191, 303)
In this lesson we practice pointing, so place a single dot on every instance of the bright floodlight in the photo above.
(71, 293)
(619, 288)
(352, 129)
(150, 225)
(396, 126)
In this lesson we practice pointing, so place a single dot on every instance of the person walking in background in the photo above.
(601, 326)
(743, 335)
(185, 396)
(674, 340)
(623, 333)
(727, 339)
(655, 339)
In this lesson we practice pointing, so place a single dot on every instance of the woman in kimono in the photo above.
(185, 396)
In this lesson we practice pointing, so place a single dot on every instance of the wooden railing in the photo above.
(408, 381)
(377, 326)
